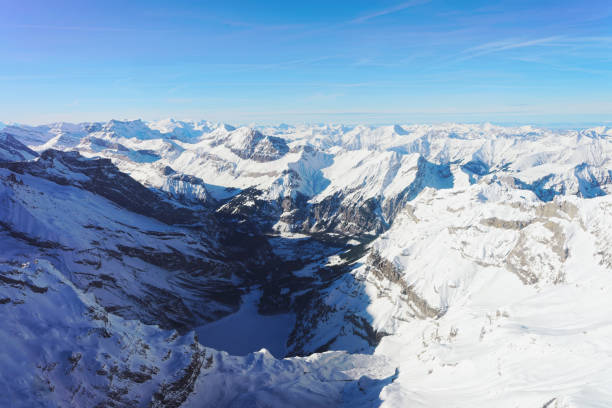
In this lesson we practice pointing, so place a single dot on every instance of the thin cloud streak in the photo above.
(508, 45)
(361, 19)
(388, 11)
(512, 44)
(85, 28)
(499, 46)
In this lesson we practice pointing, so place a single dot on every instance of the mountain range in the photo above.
(198, 264)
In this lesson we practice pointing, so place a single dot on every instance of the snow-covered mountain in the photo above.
(146, 264)
(12, 149)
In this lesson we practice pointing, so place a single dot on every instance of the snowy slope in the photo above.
(12, 150)
(520, 289)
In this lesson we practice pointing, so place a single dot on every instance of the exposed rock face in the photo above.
(332, 214)
(187, 189)
(384, 270)
(250, 144)
(173, 394)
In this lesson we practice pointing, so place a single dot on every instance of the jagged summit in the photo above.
(250, 144)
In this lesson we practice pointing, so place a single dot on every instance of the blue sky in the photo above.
(542, 62)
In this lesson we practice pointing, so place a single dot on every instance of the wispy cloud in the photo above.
(12, 78)
(559, 67)
(85, 28)
(277, 65)
(263, 27)
(357, 20)
(560, 41)
(210, 18)
(388, 11)
(505, 45)
(510, 44)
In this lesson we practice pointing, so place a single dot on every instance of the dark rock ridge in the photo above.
(173, 394)
(383, 269)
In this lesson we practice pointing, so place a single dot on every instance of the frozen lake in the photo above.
(246, 331)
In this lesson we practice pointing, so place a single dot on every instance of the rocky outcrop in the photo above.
(187, 189)
(173, 394)
(249, 144)
(384, 270)
(334, 214)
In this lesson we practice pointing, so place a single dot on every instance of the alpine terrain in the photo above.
(196, 264)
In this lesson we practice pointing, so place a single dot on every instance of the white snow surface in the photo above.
(500, 342)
